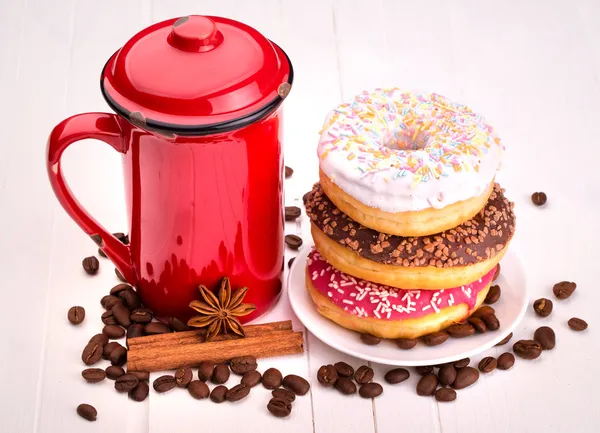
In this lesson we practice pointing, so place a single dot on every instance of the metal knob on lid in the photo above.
(195, 33)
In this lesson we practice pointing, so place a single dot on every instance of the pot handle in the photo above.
(98, 126)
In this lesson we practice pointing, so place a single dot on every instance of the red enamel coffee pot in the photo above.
(199, 123)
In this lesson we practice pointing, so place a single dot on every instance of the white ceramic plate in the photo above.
(509, 310)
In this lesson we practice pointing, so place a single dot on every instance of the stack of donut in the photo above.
(408, 222)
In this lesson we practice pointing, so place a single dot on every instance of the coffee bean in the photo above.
(424, 369)
(546, 337)
(140, 392)
(109, 348)
(120, 275)
(364, 374)
(238, 392)
(564, 289)
(478, 324)
(461, 363)
(288, 171)
(108, 318)
(487, 364)
(292, 213)
(164, 383)
(114, 332)
(205, 370)
(155, 328)
(110, 301)
(396, 375)
(491, 322)
(198, 389)
(92, 353)
(118, 356)
(445, 395)
(183, 376)
(305, 197)
(217, 395)
(539, 198)
(141, 315)
(435, 338)
(251, 378)
(131, 299)
(220, 374)
(298, 385)
(121, 314)
(87, 412)
(497, 273)
(100, 339)
(116, 290)
(242, 364)
(577, 324)
(283, 394)
(447, 375)
(122, 237)
(126, 383)
(506, 361)
(406, 343)
(343, 369)
(293, 241)
(90, 265)
(465, 377)
(327, 375)
(113, 372)
(543, 307)
(370, 340)
(370, 390)
(505, 340)
(527, 349)
(493, 295)
(93, 375)
(76, 315)
(481, 311)
(279, 407)
(460, 330)
(427, 384)
(345, 386)
(135, 330)
(143, 376)
(291, 261)
(177, 325)
(272, 378)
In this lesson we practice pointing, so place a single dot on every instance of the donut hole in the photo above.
(401, 139)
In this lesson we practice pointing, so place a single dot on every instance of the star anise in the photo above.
(220, 314)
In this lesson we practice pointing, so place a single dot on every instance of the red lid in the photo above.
(197, 75)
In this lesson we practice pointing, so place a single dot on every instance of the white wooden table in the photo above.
(532, 67)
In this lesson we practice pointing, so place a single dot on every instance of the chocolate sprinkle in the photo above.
(474, 241)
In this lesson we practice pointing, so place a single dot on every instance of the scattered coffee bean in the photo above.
(155, 328)
(114, 332)
(100, 339)
(76, 315)
(478, 324)
(465, 377)
(108, 318)
(135, 330)
(542, 307)
(143, 376)
(118, 356)
(220, 374)
(93, 375)
(272, 378)
(343, 369)
(251, 378)
(447, 375)
(140, 392)
(527, 349)
(141, 315)
(491, 322)
(205, 370)
(183, 376)
(370, 390)
(493, 295)
(243, 364)
(122, 237)
(327, 375)
(577, 324)
(424, 369)
(481, 311)
(487, 364)
(293, 241)
(279, 407)
(505, 340)
(370, 340)
(497, 273)
(92, 353)
(217, 395)
(427, 384)
(110, 301)
(177, 325)
(164, 383)
(564, 289)
(109, 348)
(406, 343)
(116, 290)
(461, 363)
(283, 394)
(131, 299)
(305, 197)
(288, 171)
(396, 375)
(292, 213)
(113, 372)
(120, 275)
(539, 198)
(345, 386)
(506, 361)
(90, 265)
(445, 395)
(298, 385)
(546, 337)
(460, 330)
(364, 374)
(198, 389)
(238, 392)
(121, 314)
(101, 253)
(126, 383)
(435, 338)
(291, 261)
(87, 412)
